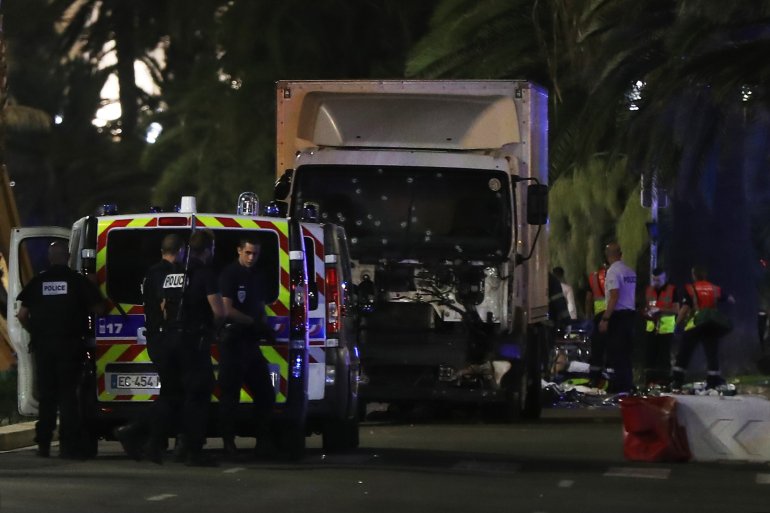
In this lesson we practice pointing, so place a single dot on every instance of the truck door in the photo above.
(27, 257)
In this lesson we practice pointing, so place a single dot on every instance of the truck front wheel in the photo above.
(521, 384)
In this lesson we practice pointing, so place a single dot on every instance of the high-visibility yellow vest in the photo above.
(596, 282)
(663, 299)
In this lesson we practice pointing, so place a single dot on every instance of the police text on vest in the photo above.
(54, 288)
(173, 281)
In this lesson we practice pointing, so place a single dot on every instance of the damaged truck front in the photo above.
(440, 186)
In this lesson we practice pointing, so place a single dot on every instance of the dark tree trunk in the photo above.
(123, 20)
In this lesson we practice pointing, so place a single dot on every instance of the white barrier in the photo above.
(725, 427)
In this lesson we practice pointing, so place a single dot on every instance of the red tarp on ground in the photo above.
(651, 432)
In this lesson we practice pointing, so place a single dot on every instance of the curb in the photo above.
(16, 436)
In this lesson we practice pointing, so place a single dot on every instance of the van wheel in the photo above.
(340, 435)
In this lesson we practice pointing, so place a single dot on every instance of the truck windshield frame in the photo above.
(413, 213)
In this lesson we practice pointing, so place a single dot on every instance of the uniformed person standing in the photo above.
(54, 309)
(660, 311)
(241, 361)
(700, 298)
(192, 311)
(618, 319)
(595, 305)
(135, 435)
(188, 307)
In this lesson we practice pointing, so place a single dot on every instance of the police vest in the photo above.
(172, 288)
(664, 300)
(596, 282)
(704, 294)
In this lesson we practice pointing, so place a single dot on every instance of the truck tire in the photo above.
(533, 360)
(521, 384)
(514, 393)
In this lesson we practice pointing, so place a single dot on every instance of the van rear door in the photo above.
(28, 257)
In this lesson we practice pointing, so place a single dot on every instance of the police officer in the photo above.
(134, 436)
(618, 319)
(188, 309)
(660, 311)
(54, 309)
(241, 361)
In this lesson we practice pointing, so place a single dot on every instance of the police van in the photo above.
(305, 268)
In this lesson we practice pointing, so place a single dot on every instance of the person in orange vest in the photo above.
(701, 298)
(660, 311)
(595, 305)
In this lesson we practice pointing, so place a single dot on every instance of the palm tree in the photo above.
(218, 137)
(132, 29)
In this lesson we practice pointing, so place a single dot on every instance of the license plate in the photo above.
(135, 382)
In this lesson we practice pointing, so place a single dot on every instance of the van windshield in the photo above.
(396, 212)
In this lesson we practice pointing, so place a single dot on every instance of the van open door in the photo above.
(27, 257)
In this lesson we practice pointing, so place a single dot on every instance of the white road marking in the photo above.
(566, 483)
(233, 470)
(161, 497)
(763, 478)
(643, 473)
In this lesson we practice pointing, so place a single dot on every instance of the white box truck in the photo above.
(441, 187)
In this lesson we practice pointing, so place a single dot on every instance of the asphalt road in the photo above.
(568, 463)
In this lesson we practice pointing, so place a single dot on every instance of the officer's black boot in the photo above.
(714, 380)
(229, 448)
(154, 449)
(132, 438)
(181, 449)
(44, 449)
(266, 448)
(677, 380)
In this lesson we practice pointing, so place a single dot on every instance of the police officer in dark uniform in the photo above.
(241, 361)
(134, 436)
(54, 309)
(188, 309)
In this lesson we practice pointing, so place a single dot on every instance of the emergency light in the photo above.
(187, 206)
(248, 204)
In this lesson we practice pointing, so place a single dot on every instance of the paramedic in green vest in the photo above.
(660, 311)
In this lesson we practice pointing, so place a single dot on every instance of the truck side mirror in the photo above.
(283, 185)
(537, 204)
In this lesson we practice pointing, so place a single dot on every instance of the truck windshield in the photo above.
(412, 212)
